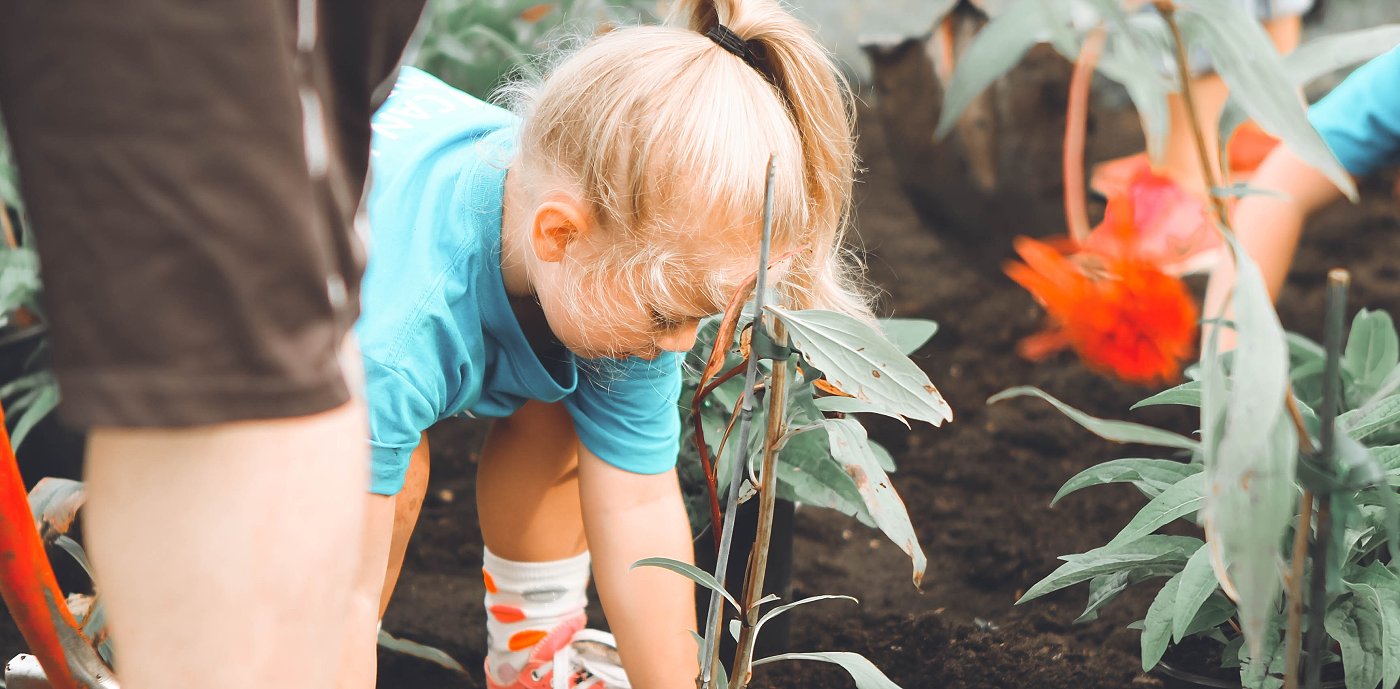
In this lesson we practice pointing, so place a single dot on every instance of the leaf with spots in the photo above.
(851, 449)
(859, 360)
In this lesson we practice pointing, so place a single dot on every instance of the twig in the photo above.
(1294, 634)
(1295, 583)
(1168, 12)
(768, 496)
(1076, 122)
(715, 619)
(7, 229)
(1338, 281)
(701, 449)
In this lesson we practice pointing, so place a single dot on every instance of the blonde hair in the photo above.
(664, 133)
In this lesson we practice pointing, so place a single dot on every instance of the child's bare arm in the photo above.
(1268, 226)
(629, 517)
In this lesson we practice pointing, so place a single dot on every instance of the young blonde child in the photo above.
(547, 268)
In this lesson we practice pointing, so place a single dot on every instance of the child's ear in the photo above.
(558, 222)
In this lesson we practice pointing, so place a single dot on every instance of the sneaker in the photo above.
(570, 657)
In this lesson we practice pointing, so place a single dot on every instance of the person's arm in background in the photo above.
(1360, 122)
(1268, 226)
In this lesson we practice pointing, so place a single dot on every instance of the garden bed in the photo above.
(978, 490)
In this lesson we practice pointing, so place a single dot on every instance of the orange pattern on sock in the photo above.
(490, 583)
(507, 614)
(523, 640)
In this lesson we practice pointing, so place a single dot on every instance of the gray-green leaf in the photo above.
(860, 361)
(690, 572)
(1246, 59)
(420, 651)
(1196, 586)
(1181, 500)
(1151, 476)
(1187, 394)
(864, 672)
(908, 334)
(1148, 550)
(850, 448)
(1355, 622)
(998, 47)
(1157, 627)
(1117, 431)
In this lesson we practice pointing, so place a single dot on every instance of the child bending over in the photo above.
(547, 268)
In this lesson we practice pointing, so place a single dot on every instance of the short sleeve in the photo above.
(399, 412)
(1360, 119)
(626, 412)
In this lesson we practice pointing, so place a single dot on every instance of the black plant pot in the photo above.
(777, 581)
(1177, 677)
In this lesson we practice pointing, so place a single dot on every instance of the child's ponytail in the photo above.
(818, 101)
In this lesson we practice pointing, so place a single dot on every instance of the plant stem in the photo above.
(7, 229)
(1294, 632)
(1076, 122)
(714, 620)
(1294, 589)
(768, 497)
(1338, 281)
(1183, 69)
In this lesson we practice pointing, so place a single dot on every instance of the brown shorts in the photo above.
(192, 172)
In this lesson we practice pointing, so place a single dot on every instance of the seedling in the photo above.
(788, 356)
(1253, 425)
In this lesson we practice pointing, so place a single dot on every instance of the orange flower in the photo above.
(1114, 306)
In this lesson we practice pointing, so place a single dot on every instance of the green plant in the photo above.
(31, 396)
(475, 44)
(1251, 429)
(811, 474)
(787, 356)
(1363, 600)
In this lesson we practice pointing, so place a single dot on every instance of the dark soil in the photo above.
(978, 489)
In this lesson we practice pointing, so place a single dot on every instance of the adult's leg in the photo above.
(388, 524)
(225, 552)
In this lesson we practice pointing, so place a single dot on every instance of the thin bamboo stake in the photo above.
(1338, 281)
(768, 497)
(714, 620)
(1294, 585)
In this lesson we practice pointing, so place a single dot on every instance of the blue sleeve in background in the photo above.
(1360, 119)
(626, 412)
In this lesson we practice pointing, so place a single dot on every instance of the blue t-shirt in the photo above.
(1360, 119)
(438, 334)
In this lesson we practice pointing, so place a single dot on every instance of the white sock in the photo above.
(524, 602)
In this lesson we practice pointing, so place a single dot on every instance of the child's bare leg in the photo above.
(536, 492)
(527, 491)
(407, 504)
(226, 553)
(652, 611)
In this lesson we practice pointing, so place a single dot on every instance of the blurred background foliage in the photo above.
(476, 45)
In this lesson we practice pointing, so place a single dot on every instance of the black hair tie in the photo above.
(730, 41)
